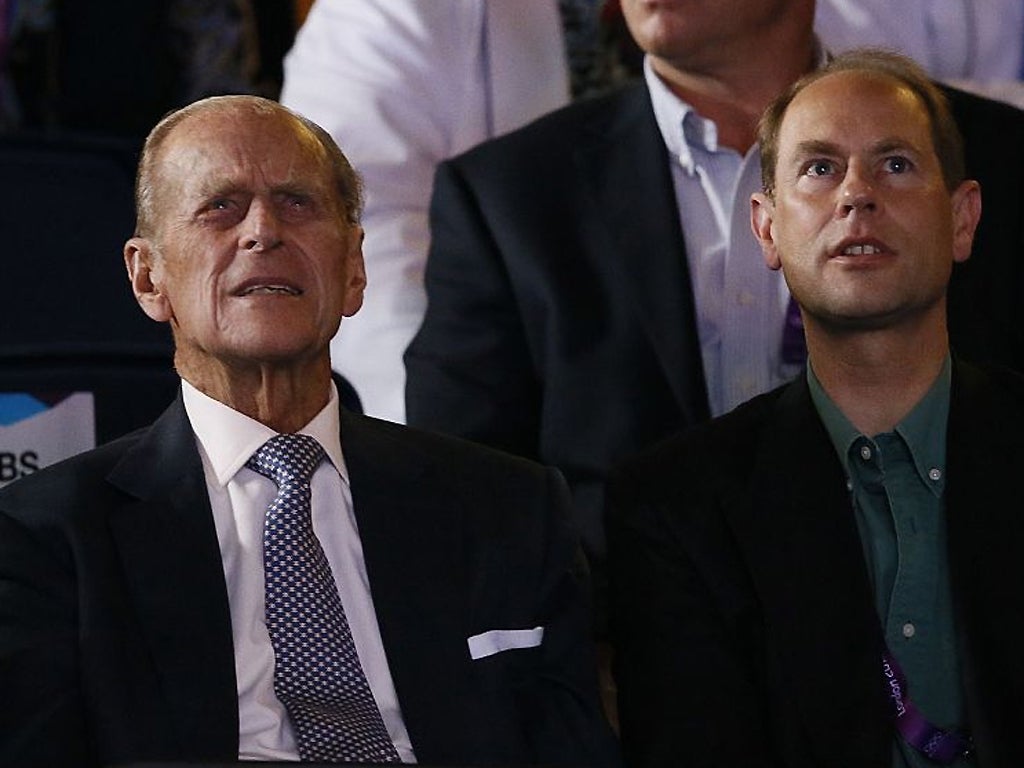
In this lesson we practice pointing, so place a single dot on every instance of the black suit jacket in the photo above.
(561, 324)
(115, 637)
(743, 619)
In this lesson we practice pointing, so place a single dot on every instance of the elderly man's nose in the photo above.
(261, 231)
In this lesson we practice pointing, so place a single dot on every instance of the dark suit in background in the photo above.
(561, 323)
(115, 634)
(738, 572)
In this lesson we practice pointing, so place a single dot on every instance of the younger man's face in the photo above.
(861, 222)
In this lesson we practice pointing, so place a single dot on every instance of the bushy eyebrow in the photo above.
(811, 147)
(218, 188)
(228, 188)
(296, 188)
(814, 147)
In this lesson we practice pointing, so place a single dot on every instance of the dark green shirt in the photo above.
(896, 481)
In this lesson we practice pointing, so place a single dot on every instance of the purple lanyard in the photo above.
(939, 745)
(794, 345)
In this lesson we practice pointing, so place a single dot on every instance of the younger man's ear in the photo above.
(139, 257)
(966, 201)
(762, 221)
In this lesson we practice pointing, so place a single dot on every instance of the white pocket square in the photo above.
(498, 640)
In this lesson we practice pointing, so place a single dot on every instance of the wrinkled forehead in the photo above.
(241, 146)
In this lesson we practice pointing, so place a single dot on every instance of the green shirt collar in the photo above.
(923, 430)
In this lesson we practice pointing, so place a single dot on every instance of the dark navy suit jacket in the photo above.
(115, 636)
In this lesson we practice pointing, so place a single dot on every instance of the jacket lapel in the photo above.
(167, 542)
(799, 536)
(415, 559)
(624, 157)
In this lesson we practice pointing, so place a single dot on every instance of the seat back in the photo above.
(75, 347)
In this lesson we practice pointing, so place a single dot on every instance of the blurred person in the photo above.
(74, 67)
(405, 84)
(977, 46)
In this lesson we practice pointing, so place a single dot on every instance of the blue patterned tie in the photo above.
(317, 675)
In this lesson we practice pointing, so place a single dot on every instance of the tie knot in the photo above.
(287, 459)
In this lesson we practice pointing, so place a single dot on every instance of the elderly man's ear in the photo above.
(139, 258)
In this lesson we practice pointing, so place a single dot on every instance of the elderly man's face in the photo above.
(862, 224)
(253, 259)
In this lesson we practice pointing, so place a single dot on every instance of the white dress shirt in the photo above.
(239, 498)
(402, 85)
(741, 304)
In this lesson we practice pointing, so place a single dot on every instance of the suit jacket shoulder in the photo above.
(562, 128)
(122, 628)
(714, 455)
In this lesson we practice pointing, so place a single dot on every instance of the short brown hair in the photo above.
(347, 182)
(946, 140)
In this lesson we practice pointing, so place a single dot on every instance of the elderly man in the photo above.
(259, 574)
(830, 574)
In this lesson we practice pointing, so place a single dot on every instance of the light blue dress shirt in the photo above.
(741, 304)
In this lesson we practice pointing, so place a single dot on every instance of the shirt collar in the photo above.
(840, 431)
(923, 429)
(670, 112)
(229, 438)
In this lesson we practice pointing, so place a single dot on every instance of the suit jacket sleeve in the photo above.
(469, 368)
(41, 705)
(561, 709)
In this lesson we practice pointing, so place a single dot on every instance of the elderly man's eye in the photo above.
(293, 202)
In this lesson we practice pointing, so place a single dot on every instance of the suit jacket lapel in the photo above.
(624, 156)
(412, 544)
(798, 534)
(167, 542)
